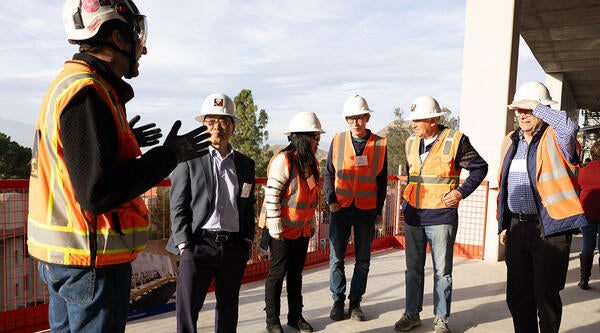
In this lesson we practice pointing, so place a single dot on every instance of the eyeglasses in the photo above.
(351, 120)
(316, 136)
(224, 122)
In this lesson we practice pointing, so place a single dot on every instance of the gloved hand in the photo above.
(146, 135)
(190, 145)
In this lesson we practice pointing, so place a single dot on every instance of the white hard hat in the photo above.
(218, 104)
(355, 105)
(83, 19)
(535, 91)
(424, 107)
(304, 122)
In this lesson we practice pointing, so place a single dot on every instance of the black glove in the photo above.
(146, 135)
(189, 145)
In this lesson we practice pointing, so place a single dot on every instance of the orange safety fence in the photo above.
(24, 299)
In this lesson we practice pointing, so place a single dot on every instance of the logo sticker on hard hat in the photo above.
(218, 102)
(90, 6)
(413, 107)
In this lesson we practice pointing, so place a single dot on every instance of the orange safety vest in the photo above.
(298, 201)
(353, 182)
(59, 230)
(556, 178)
(429, 181)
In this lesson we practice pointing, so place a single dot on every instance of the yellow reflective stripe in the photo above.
(434, 180)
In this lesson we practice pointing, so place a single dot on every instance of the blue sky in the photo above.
(294, 55)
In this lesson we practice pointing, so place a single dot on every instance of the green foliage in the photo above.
(396, 136)
(15, 160)
(449, 121)
(250, 136)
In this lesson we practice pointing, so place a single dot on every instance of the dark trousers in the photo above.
(224, 262)
(287, 260)
(537, 270)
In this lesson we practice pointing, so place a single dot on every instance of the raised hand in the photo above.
(190, 145)
(146, 135)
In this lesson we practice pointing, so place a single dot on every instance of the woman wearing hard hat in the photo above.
(291, 196)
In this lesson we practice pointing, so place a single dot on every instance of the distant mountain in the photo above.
(18, 132)
(383, 132)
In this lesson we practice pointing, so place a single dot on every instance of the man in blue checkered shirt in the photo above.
(538, 208)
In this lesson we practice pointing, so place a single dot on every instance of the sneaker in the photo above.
(440, 325)
(356, 313)
(407, 322)
(337, 312)
(274, 325)
(300, 324)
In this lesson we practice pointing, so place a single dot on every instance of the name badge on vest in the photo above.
(246, 190)
(311, 182)
(362, 160)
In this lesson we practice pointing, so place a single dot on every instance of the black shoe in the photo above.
(274, 325)
(300, 324)
(337, 312)
(356, 313)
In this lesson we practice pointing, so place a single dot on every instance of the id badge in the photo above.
(246, 188)
(362, 160)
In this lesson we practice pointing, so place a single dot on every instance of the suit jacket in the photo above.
(192, 198)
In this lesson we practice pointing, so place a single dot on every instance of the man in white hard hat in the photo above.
(212, 220)
(355, 185)
(435, 156)
(538, 208)
(87, 221)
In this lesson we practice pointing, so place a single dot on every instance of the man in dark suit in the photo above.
(212, 221)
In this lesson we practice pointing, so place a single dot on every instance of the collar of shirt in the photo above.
(214, 153)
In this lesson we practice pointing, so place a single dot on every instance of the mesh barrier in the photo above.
(23, 298)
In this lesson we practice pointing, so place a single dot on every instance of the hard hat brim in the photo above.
(200, 118)
(290, 131)
(419, 116)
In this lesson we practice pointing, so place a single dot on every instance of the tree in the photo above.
(15, 160)
(396, 136)
(449, 121)
(250, 136)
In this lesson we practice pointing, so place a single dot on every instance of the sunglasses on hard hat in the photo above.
(129, 11)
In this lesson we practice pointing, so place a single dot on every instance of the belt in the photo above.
(221, 236)
(525, 217)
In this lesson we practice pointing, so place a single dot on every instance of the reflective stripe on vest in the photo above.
(58, 229)
(357, 183)
(556, 179)
(429, 180)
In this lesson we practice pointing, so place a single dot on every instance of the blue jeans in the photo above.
(591, 238)
(441, 240)
(87, 300)
(340, 225)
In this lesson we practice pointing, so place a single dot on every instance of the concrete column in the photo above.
(488, 84)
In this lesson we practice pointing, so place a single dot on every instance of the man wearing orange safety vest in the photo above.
(86, 220)
(435, 155)
(355, 185)
(538, 208)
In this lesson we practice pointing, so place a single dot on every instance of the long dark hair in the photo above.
(300, 143)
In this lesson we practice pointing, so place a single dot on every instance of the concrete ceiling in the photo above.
(564, 36)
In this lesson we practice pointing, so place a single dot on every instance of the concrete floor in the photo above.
(478, 300)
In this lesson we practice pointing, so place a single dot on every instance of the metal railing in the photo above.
(23, 297)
